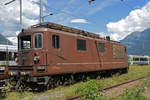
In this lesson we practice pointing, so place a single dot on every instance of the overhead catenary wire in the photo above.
(9, 2)
(70, 14)
(126, 5)
(20, 1)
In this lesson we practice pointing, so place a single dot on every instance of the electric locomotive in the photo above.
(50, 49)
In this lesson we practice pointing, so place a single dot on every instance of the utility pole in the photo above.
(21, 12)
(7, 54)
(20, 8)
(41, 11)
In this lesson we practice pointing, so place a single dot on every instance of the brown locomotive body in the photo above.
(50, 49)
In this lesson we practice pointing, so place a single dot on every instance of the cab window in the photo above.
(38, 40)
(55, 41)
(25, 42)
(81, 45)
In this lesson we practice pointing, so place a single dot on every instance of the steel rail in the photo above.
(111, 87)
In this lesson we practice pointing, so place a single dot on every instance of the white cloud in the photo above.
(137, 20)
(102, 34)
(30, 9)
(79, 21)
(10, 16)
(17, 32)
(14, 40)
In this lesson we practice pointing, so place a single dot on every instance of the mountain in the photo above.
(4, 41)
(13, 40)
(138, 43)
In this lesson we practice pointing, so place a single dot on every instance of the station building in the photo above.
(7, 54)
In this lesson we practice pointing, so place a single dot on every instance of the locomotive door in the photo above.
(99, 59)
(41, 50)
(45, 49)
(45, 57)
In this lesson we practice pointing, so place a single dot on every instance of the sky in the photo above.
(114, 18)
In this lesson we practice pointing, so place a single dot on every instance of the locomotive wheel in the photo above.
(50, 84)
(21, 86)
(125, 70)
(33, 86)
(72, 80)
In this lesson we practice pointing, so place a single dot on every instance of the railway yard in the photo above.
(129, 86)
(94, 68)
(49, 59)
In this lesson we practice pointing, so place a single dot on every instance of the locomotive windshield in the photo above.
(38, 40)
(25, 42)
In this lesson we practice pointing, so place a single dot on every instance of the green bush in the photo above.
(89, 90)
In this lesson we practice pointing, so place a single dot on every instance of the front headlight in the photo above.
(36, 58)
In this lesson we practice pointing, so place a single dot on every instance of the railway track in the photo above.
(105, 90)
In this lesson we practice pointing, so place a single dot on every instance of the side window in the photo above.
(143, 59)
(136, 59)
(81, 45)
(38, 41)
(55, 41)
(101, 47)
(125, 51)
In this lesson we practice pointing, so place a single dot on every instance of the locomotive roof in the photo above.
(65, 29)
(70, 30)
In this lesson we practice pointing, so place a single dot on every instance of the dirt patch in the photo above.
(117, 91)
(146, 93)
(49, 96)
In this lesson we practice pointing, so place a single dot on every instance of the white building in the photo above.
(9, 48)
(7, 54)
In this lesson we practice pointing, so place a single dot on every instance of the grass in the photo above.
(131, 94)
(73, 90)
(18, 96)
(135, 93)
(89, 90)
